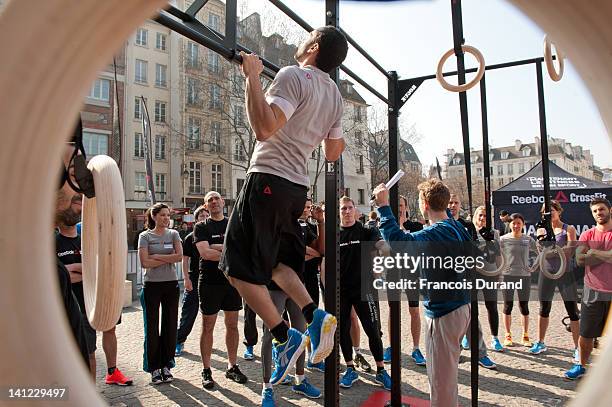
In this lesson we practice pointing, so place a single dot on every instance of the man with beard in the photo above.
(594, 252)
(68, 248)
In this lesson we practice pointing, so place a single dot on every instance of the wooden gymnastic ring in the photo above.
(542, 262)
(104, 242)
(461, 88)
(550, 65)
(497, 271)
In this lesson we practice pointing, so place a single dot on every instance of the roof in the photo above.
(348, 92)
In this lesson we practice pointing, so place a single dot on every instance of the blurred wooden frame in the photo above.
(51, 52)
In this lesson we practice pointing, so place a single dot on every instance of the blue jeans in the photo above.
(189, 311)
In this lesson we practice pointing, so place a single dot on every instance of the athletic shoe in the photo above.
(236, 375)
(348, 378)
(156, 377)
(207, 380)
(362, 363)
(383, 379)
(307, 389)
(526, 341)
(387, 355)
(178, 351)
(118, 378)
(577, 356)
(465, 344)
(486, 363)
(248, 353)
(321, 332)
(267, 398)
(538, 348)
(418, 357)
(167, 376)
(288, 380)
(576, 372)
(316, 366)
(496, 345)
(286, 354)
(508, 340)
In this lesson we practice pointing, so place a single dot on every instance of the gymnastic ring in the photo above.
(461, 88)
(104, 245)
(550, 66)
(497, 271)
(542, 262)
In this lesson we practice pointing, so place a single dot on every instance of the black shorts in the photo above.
(593, 312)
(218, 297)
(263, 229)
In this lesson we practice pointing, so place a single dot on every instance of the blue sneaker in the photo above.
(496, 345)
(348, 378)
(321, 333)
(576, 372)
(287, 380)
(538, 348)
(178, 351)
(387, 355)
(307, 389)
(383, 379)
(486, 363)
(465, 344)
(267, 398)
(248, 353)
(286, 354)
(316, 366)
(418, 357)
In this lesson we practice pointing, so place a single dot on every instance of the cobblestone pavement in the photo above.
(521, 379)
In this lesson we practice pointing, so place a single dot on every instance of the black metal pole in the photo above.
(394, 306)
(332, 250)
(458, 42)
(485, 153)
(543, 137)
(231, 24)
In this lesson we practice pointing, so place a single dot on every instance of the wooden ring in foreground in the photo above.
(104, 242)
(461, 88)
(550, 65)
(496, 272)
(542, 262)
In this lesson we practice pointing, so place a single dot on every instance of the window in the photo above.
(215, 137)
(521, 168)
(361, 197)
(456, 161)
(100, 90)
(576, 169)
(357, 111)
(140, 74)
(532, 164)
(193, 133)
(510, 169)
(141, 37)
(138, 108)
(526, 152)
(360, 165)
(193, 55)
(160, 147)
(491, 171)
(347, 192)
(214, 21)
(160, 186)
(160, 41)
(277, 42)
(491, 156)
(238, 116)
(500, 170)
(216, 177)
(500, 182)
(504, 155)
(160, 111)
(359, 138)
(215, 97)
(195, 177)
(239, 185)
(160, 75)
(479, 172)
(193, 87)
(239, 154)
(414, 167)
(213, 62)
(140, 182)
(138, 146)
(554, 161)
(511, 179)
(95, 143)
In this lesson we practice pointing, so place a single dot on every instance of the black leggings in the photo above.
(570, 306)
(369, 316)
(493, 317)
(523, 295)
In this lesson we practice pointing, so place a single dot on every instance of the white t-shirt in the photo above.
(312, 105)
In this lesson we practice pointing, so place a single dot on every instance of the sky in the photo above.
(411, 36)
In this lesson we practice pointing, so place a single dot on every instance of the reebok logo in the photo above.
(267, 190)
(561, 198)
(308, 75)
(284, 360)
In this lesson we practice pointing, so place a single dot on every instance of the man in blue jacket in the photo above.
(447, 310)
